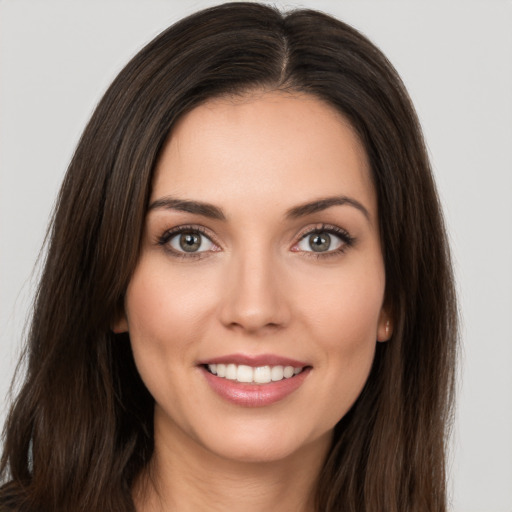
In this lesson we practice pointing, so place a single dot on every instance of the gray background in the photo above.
(57, 57)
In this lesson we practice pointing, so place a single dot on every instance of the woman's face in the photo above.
(260, 259)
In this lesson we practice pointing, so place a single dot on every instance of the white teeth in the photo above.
(248, 374)
(277, 373)
(262, 374)
(288, 372)
(231, 371)
(244, 373)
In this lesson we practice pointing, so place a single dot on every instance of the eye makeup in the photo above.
(194, 241)
(324, 240)
(188, 241)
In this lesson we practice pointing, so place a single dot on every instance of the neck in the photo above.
(186, 477)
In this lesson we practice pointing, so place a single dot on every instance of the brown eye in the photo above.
(321, 241)
(191, 241)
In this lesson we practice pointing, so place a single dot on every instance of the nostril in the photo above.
(251, 297)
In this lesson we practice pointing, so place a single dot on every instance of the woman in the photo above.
(247, 301)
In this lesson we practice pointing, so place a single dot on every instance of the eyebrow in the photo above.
(322, 204)
(185, 205)
(214, 212)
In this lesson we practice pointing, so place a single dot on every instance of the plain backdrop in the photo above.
(58, 57)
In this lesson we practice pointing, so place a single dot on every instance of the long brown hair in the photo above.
(81, 428)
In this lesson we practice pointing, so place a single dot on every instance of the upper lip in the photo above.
(255, 360)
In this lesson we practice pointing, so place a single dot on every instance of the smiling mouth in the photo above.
(254, 375)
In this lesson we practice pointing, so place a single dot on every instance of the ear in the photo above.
(120, 323)
(385, 325)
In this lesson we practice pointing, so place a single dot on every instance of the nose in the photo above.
(254, 298)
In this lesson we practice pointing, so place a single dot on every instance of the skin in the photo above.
(256, 288)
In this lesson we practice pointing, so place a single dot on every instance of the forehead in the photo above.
(280, 146)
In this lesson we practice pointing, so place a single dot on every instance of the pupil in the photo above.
(190, 242)
(320, 243)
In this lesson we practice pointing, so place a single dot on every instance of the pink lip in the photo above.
(255, 360)
(255, 395)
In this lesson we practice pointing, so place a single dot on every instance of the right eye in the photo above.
(190, 241)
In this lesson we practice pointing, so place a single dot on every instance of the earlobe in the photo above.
(385, 327)
(120, 324)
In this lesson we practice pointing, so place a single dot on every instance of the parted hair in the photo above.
(80, 428)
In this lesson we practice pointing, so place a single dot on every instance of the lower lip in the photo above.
(255, 395)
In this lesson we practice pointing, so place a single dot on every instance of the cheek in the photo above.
(345, 305)
(346, 330)
(342, 315)
(166, 316)
(161, 305)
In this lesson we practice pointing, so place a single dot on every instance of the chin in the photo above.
(258, 443)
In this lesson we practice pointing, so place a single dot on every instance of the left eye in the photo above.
(190, 241)
(321, 241)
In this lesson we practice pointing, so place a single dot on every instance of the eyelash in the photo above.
(346, 239)
(164, 240)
